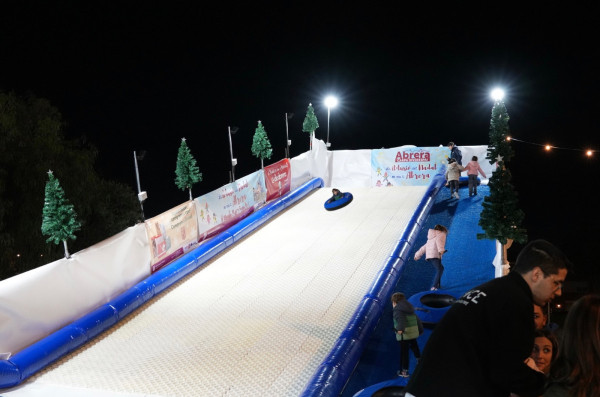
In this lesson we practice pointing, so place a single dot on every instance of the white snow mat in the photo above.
(257, 320)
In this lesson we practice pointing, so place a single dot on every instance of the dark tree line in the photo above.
(32, 142)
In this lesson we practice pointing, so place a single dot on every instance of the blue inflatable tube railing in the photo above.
(335, 370)
(40, 354)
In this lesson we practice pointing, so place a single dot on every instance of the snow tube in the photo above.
(332, 204)
(432, 305)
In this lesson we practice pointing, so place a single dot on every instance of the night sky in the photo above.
(142, 76)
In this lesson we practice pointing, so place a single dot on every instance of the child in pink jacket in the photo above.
(473, 168)
(433, 249)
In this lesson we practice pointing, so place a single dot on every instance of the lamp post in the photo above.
(141, 195)
(232, 130)
(330, 102)
(288, 116)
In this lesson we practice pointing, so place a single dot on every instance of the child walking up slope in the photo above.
(434, 249)
(453, 175)
(473, 169)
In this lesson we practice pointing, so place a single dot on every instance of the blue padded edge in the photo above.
(63, 341)
(335, 370)
(37, 356)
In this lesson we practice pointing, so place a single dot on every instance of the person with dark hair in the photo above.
(576, 371)
(408, 327)
(545, 349)
(480, 346)
(336, 194)
(434, 249)
(455, 152)
(539, 317)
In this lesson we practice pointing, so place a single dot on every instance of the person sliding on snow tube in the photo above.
(338, 200)
(336, 194)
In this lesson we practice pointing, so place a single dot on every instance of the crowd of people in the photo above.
(496, 340)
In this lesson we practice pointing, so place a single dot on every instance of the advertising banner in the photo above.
(172, 234)
(406, 166)
(221, 208)
(278, 179)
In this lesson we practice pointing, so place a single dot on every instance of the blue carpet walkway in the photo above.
(467, 264)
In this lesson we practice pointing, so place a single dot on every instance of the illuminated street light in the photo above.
(330, 102)
(232, 130)
(497, 94)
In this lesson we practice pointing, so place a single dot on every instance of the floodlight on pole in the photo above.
(497, 94)
(232, 130)
(330, 102)
(288, 116)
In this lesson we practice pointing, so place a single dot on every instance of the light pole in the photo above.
(288, 116)
(232, 130)
(330, 102)
(141, 195)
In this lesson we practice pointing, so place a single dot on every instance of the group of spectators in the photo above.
(488, 344)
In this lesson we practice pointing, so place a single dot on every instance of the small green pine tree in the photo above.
(261, 147)
(187, 172)
(59, 220)
(310, 123)
(501, 217)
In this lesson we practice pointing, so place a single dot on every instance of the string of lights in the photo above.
(497, 95)
(547, 147)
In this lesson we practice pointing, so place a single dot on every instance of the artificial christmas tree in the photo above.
(501, 217)
(187, 172)
(310, 123)
(59, 220)
(499, 132)
(261, 147)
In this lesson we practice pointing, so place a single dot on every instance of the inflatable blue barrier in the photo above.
(44, 352)
(333, 204)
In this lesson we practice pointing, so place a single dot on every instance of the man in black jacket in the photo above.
(455, 152)
(481, 345)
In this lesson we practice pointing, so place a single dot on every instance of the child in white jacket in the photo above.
(434, 249)
(452, 176)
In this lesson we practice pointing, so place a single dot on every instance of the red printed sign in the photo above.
(278, 179)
